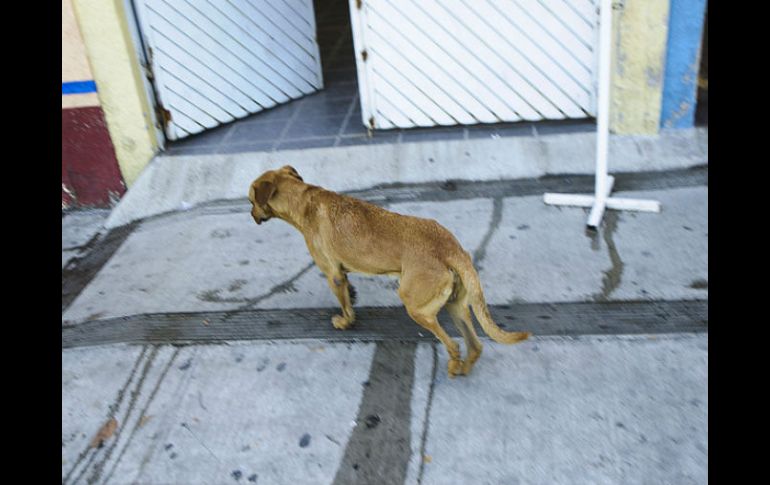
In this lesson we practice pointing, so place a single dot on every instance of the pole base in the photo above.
(598, 205)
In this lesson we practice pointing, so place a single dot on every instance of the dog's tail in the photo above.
(463, 266)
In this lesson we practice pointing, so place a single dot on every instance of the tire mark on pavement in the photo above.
(99, 467)
(80, 271)
(138, 422)
(387, 323)
(379, 447)
(112, 413)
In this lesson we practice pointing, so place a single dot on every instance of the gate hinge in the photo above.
(364, 55)
(359, 4)
(147, 65)
(147, 71)
(163, 115)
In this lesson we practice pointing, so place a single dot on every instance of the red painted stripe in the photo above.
(89, 167)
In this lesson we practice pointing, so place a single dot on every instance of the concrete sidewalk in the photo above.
(216, 259)
(628, 410)
(591, 408)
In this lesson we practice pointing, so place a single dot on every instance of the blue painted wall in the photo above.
(78, 87)
(680, 86)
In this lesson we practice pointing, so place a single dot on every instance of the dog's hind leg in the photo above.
(424, 293)
(338, 282)
(461, 317)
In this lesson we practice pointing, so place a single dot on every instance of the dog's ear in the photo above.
(263, 192)
(292, 171)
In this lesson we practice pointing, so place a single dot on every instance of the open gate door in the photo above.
(462, 62)
(215, 62)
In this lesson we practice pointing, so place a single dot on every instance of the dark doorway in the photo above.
(326, 118)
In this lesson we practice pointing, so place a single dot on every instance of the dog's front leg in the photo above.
(340, 286)
(337, 279)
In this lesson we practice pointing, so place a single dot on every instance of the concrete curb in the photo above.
(171, 183)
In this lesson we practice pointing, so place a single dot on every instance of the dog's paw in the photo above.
(469, 361)
(340, 323)
(456, 368)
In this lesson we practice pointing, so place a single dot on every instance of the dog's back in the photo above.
(371, 239)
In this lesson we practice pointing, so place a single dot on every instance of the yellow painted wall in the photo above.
(74, 63)
(640, 30)
(115, 68)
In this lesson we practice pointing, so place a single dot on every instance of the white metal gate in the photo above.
(216, 61)
(449, 62)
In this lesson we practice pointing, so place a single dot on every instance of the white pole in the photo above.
(602, 122)
(603, 182)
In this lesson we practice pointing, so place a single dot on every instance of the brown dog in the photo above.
(345, 234)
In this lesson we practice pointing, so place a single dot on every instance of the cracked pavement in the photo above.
(559, 408)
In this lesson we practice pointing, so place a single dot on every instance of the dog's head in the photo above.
(265, 188)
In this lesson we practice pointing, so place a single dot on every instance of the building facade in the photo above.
(139, 73)
(90, 173)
